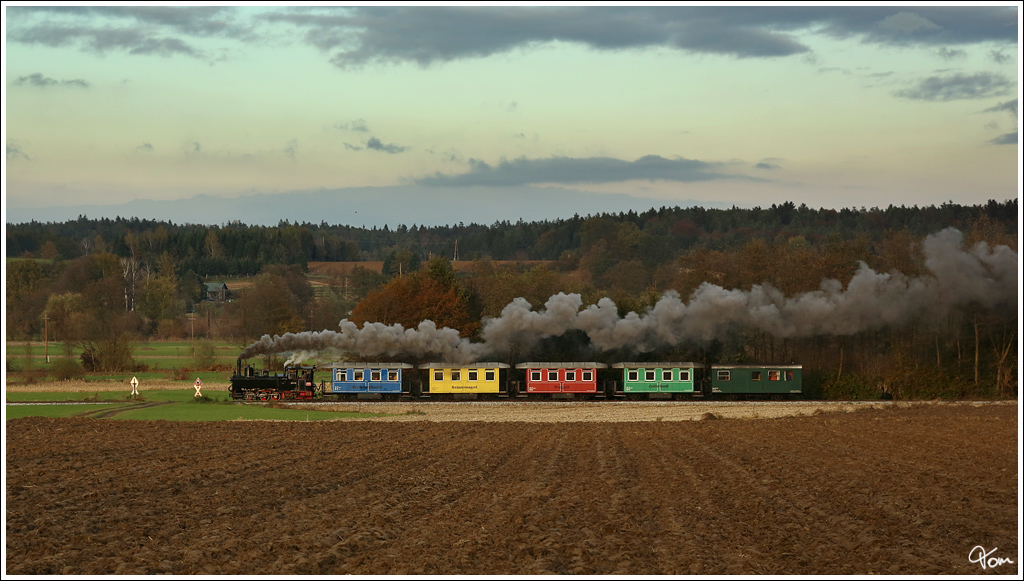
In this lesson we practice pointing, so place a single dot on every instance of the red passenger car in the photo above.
(561, 377)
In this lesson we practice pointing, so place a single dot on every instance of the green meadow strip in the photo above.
(233, 411)
(178, 406)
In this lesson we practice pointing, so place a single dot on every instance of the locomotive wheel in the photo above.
(264, 397)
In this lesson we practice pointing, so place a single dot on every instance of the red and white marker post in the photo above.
(199, 387)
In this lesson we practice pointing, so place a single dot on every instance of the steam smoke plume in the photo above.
(870, 301)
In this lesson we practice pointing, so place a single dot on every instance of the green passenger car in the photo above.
(657, 377)
(754, 379)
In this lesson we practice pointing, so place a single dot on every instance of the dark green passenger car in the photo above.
(756, 379)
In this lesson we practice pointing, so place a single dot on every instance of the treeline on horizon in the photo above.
(102, 284)
(237, 249)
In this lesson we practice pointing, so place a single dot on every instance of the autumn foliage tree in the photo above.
(278, 302)
(430, 294)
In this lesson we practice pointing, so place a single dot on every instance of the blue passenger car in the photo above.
(362, 377)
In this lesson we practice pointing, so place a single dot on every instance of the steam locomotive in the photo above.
(296, 383)
(528, 380)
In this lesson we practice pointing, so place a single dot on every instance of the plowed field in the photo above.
(908, 490)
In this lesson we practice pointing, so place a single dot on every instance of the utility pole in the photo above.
(46, 336)
(192, 317)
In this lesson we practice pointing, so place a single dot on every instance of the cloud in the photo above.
(360, 36)
(907, 23)
(1005, 139)
(922, 25)
(14, 152)
(567, 170)
(357, 36)
(354, 125)
(354, 36)
(145, 148)
(292, 148)
(38, 80)
(766, 165)
(842, 70)
(376, 144)
(951, 53)
(999, 57)
(1008, 106)
(195, 20)
(196, 147)
(449, 156)
(136, 30)
(104, 40)
(958, 86)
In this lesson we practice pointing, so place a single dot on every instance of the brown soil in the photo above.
(900, 490)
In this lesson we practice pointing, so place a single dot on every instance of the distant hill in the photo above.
(368, 207)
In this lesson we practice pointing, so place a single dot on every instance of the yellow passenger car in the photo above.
(482, 377)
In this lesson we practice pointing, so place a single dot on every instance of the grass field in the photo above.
(167, 351)
(148, 380)
(26, 362)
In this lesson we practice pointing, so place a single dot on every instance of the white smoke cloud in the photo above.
(870, 301)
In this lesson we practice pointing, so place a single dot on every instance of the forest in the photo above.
(104, 283)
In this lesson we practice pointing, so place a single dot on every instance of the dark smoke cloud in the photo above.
(373, 340)
(871, 300)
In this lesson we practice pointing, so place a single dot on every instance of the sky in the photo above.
(832, 106)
